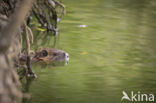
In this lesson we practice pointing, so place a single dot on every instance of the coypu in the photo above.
(47, 56)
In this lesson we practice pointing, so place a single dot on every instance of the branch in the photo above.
(14, 22)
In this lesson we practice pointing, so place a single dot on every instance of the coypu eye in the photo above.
(44, 53)
(54, 54)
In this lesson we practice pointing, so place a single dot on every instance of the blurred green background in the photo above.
(112, 47)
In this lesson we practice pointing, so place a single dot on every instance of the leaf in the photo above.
(84, 53)
(41, 29)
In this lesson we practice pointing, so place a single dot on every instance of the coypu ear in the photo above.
(44, 53)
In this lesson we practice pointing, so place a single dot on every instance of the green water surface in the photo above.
(114, 51)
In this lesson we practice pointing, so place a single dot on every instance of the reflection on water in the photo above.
(115, 51)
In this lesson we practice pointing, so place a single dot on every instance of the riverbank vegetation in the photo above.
(16, 37)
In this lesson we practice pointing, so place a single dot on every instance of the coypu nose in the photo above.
(66, 56)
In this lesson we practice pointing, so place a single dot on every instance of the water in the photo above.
(112, 47)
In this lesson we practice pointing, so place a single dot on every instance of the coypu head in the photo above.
(51, 56)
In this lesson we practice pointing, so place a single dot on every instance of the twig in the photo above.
(10, 30)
